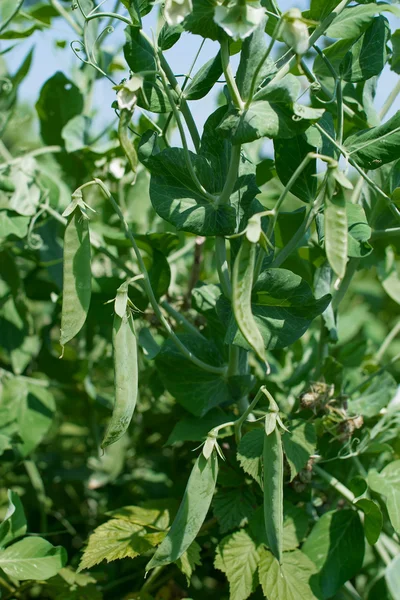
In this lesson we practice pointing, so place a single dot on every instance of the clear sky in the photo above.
(48, 58)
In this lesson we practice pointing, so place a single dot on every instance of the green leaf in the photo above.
(32, 558)
(116, 539)
(237, 557)
(335, 230)
(353, 20)
(359, 232)
(12, 225)
(253, 49)
(143, 516)
(193, 429)
(289, 581)
(299, 444)
(336, 546)
(201, 20)
(249, 454)
(392, 577)
(60, 100)
(14, 522)
(373, 520)
(388, 274)
(189, 560)
(68, 584)
(319, 9)
(169, 35)
(368, 55)
(204, 80)
(374, 397)
(74, 133)
(234, 507)
(289, 154)
(283, 307)
(372, 148)
(395, 61)
(387, 484)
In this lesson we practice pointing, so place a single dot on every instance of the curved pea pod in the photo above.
(335, 230)
(125, 377)
(273, 491)
(242, 284)
(191, 514)
(77, 284)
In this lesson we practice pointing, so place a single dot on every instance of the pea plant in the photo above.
(199, 325)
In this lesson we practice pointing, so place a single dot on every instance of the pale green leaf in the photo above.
(189, 560)
(387, 484)
(32, 558)
(237, 557)
(289, 581)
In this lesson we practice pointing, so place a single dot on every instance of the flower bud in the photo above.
(127, 93)
(294, 31)
(239, 19)
(175, 11)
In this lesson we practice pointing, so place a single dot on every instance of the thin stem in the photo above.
(261, 63)
(110, 15)
(182, 251)
(390, 99)
(239, 422)
(387, 341)
(232, 175)
(222, 266)
(230, 80)
(292, 244)
(344, 285)
(339, 105)
(234, 355)
(380, 233)
(38, 486)
(63, 13)
(33, 153)
(13, 14)
(179, 318)
(150, 293)
(153, 575)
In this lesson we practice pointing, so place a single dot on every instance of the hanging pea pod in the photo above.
(242, 284)
(125, 141)
(191, 514)
(125, 368)
(77, 283)
(273, 485)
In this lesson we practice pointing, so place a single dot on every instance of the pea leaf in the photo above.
(14, 522)
(201, 20)
(368, 55)
(249, 454)
(233, 507)
(353, 20)
(373, 519)
(237, 557)
(387, 484)
(289, 154)
(299, 444)
(319, 9)
(32, 558)
(289, 581)
(283, 307)
(168, 35)
(253, 49)
(372, 148)
(336, 546)
(204, 79)
(388, 274)
(395, 61)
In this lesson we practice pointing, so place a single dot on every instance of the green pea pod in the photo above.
(273, 491)
(335, 230)
(77, 285)
(242, 284)
(125, 377)
(125, 141)
(191, 514)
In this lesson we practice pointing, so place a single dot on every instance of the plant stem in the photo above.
(380, 233)
(33, 153)
(149, 290)
(222, 266)
(340, 120)
(101, 15)
(239, 422)
(179, 318)
(261, 63)
(390, 99)
(387, 341)
(292, 244)
(234, 354)
(38, 486)
(231, 177)
(230, 80)
(68, 18)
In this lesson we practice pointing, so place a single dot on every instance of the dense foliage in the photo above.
(220, 408)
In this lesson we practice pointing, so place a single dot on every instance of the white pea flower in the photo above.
(128, 91)
(239, 19)
(294, 31)
(175, 11)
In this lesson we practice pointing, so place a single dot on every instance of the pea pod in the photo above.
(125, 377)
(335, 229)
(191, 514)
(242, 284)
(77, 285)
(273, 491)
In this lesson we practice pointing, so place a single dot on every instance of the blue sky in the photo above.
(48, 59)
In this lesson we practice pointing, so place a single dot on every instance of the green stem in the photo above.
(292, 244)
(380, 233)
(234, 355)
(230, 80)
(38, 486)
(344, 285)
(231, 177)
(261, 63)
(340, 120)
(101, 15)
(153, 575)
(63, 13)
(239, 422)
(149, 290)
(390, 99)
(33, 153)
(179, 318)
(387, 341)
(222, 266)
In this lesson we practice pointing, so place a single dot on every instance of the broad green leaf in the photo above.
(387, 484)
(336, 546)
(191, 514)
(201, 20)
(249, 454)
(290, 581)
(169, 35)
(353, 20)
(233, 507)
(32, 558)
(12, 225)
(60, 100)
(375, 397)
(319, 9)
(299, 444)
(368, 55)
(372, 148)
(14, 522)
(388, 274)
(395, 61)
(193, 429)
(204, 80)
(116, 539)
(289, 154)
(237, 557)
(392, 576)
(335, 230)
(189, 560)
(142, 516)
(283, 307)
(373, 520)
(253, 49)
